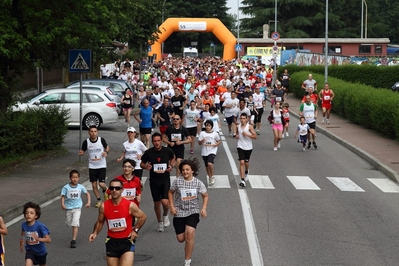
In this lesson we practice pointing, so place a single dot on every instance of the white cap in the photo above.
(131, 129)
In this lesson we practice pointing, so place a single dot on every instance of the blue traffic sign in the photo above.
(275, 36)
(80, 61)
(238, 47)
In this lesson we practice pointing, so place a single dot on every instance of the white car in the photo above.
(97, 107)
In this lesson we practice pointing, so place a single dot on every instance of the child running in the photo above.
(302, 130)
(34, 234)
(210, 140)
(71, 202)
(286, 116)
(184, 204)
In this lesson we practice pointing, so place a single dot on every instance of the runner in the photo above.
(184, 205)
(131, 182)
(3, 232)
(302, 130)
(309, 111)
(165, 113)
(230, 109)
(159, 161)
(245, 135)
(210, 140)
(98, 150)
(259, 103)
(118, 213)
(326, 95)
(191, 117)
(276, 119)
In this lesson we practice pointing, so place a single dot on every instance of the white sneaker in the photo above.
(323, 121)
(242, 183)
(160, 227)
(303, 149)
(275, 149)
(282, 136)
(278, 145)
(286, 134)
(166, 221)
(328, 122)
(212, 181)
(187, 262)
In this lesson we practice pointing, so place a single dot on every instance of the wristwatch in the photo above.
(136, 230)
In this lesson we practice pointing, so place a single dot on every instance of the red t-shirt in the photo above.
(131, 188)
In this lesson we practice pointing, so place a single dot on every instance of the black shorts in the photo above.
(179, 223)
(258, 116)
(159, 189)
(37, 259)
(244, 154)
(192, 131)
(97, 174)
(116, 247)
(312, 125)
(138, 173)
(178, 151)
(145, 131)
(230, 120)
(209, 159)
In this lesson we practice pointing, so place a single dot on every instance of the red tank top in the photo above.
(131, 188)
(326, 96)
(119, 221)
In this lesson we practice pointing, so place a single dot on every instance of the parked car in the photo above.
(395, 87)
(118, 85)
(98, 108)
(106, 89)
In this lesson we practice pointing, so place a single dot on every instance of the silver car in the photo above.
(97, 107)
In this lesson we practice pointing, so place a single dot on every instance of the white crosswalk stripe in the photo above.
(221, 181)
(303, 183)
(345, 184)
(385, 185)
(260, 182)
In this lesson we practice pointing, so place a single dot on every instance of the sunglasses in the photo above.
(114, 188)
(176, 119)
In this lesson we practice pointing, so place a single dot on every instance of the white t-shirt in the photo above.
(228, 112)
(134, 150)
(210, 138)
(190, 116)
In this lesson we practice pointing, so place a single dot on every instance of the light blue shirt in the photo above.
(73, 196)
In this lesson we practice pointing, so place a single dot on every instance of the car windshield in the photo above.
(34, 99)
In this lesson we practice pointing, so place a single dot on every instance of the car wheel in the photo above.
(92, 120)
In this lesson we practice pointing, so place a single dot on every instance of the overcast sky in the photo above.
(233, 4)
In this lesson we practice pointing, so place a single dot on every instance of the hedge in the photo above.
(376, 109)
(32, 130)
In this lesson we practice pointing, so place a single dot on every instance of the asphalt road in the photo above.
(319, 207)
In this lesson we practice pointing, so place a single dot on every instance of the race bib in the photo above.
(188, 194)
(327, 97)
(278, 99)
(73, 194)
(116, 225)
(160, 168)
(129, 193)
(29, 238)
(175, 136)
(95, 157)
(177, 104)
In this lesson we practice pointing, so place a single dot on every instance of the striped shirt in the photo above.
(187, 195)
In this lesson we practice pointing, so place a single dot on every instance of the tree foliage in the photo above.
(40, 33)
(306, 18)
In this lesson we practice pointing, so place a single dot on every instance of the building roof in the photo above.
(315, 40)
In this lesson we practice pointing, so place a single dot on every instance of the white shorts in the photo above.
(72, 217)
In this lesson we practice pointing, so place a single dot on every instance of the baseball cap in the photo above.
(131, 129)
(278, 83)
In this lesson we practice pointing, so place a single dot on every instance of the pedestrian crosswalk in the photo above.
(344, 184)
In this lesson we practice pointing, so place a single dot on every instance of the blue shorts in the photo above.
(37, 259)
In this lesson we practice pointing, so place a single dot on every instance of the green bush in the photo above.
(376, 109)
(375, 76)
(32, 130)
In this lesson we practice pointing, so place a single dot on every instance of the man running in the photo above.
(309, 111)
(326, 95)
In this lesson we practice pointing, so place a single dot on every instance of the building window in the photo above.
(378, 49)
(333, 49)
(365, 49)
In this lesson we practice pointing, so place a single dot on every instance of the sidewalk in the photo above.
(42, 180)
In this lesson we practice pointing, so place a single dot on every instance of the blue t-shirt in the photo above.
(31, 244)
(146, 117)
(73, 196)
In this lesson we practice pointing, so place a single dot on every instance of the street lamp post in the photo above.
(163, 4)
(238, 27)
(364, 4)
(275, 44)
(326, 47)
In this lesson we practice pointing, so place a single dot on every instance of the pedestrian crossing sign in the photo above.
(80, 61)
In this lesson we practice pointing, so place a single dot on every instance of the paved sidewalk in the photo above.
(42, 180)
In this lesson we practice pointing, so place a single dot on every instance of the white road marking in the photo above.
(385, 184)
(345, 184)
(253, 242)
(260, 181)
(303, 183)
(221, 181)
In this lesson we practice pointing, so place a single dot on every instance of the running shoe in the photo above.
(166, 221)
(73, 244)
(275, 149)
(234, 134)
(286, 134)
(191, 151)
(278, 145)
(98, 204)
(328, 122)
(106, 196)
(242, 183)
(282, 136)
(303, 149)
(314, 145)
(323, 121)
(187, 262)
(160, 227)
(212, 181)
(257, 131)
(309, 145)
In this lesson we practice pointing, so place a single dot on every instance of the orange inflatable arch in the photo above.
(213, 25)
